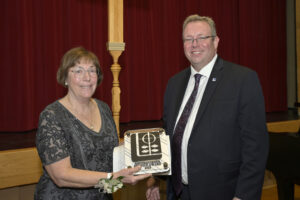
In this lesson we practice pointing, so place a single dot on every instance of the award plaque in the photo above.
(148, 148)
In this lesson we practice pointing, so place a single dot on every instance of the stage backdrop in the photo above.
(35, 34)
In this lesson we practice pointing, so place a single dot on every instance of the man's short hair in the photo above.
(198, 18)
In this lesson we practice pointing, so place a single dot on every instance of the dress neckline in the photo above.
(82, 124)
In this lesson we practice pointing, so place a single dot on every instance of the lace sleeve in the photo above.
(51, 141)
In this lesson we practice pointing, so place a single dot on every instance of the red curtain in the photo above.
(35, 34)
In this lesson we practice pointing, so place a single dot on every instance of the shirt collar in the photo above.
(206, 70)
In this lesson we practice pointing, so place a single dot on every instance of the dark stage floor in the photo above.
(16, 140)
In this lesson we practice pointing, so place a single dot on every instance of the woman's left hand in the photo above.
(129, 177)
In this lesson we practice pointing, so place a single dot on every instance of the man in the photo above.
(217, 125)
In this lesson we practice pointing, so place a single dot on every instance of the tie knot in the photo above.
(197, 77)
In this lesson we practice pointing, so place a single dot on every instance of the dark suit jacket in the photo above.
(228, 146)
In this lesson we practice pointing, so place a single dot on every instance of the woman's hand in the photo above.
(129, 177)
(152, 192)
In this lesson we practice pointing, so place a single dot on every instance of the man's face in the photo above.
(198, 49)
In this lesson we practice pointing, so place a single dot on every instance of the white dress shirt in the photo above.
(205, 72)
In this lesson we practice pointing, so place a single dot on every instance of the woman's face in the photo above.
(82, 79)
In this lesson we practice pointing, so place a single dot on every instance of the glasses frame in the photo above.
(80, 75)
(199, 39)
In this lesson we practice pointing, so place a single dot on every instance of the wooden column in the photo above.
(115, 46)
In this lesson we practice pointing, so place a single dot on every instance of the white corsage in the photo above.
(109, 185)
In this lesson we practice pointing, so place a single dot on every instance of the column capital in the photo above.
(115, 46)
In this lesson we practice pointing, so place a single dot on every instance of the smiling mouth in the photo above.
(196, 52)
(86, 86)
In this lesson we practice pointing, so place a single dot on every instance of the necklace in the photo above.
(88, 119)
(92, 127)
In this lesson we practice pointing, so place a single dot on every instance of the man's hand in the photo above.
(152, 192)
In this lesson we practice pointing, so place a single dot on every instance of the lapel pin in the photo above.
(214, 79)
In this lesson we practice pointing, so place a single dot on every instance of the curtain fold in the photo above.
(35, 34)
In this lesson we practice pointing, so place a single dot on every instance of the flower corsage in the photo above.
(109, 185)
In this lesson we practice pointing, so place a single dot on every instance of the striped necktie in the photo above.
(177, 138)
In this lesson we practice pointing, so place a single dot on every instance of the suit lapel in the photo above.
(212, 83)
(182, 84)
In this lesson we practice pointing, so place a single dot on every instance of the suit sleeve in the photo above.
(166, 108)
(254, 139)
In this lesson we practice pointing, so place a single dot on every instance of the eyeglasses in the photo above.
(200, 39)
(80, 72)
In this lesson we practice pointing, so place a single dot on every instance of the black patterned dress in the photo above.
(61, 135)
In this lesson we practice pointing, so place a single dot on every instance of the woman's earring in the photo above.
(66, 83)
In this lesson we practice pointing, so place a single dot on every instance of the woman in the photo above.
(76, 135)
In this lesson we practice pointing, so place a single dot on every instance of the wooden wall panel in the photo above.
(19, 167)
(297, 2)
